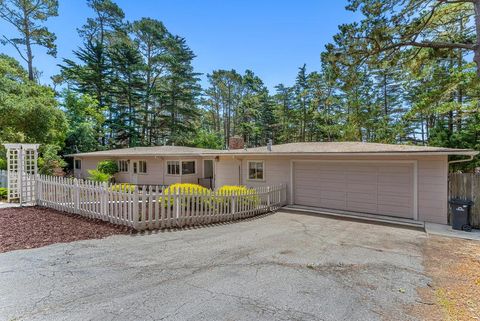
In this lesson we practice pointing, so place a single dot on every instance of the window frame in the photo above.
(75, 162)
(180, 166)
(263, 171)
(194, 167)
(126, 162)
(139, 170)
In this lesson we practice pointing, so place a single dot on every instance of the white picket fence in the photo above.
(149, 207)
(3, 178)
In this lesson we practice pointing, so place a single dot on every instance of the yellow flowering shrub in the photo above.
(248, 196)
(182, 188)
(123, 187)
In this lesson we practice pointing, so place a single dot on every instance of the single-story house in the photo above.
(395, 180)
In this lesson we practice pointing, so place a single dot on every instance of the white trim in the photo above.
(180, 161)
(415, 190)
(75, 164)
(179, 167)
(188, 160)
(128, 166)
(413, 162)
(203, 166)
(263, 154)
(263, 167)
(146, 167)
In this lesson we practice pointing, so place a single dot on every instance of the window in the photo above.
(173, 167)
(188, 167)
(135, 167)
(78, 164)
(181, 167)
(123, 166)
(256, 170)
(142, 167)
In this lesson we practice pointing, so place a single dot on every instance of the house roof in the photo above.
(314, 148)
(151, 151)
(355, 148)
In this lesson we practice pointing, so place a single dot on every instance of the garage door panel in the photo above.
(359, 187)
(378, 188)
(404, 190)
(333, 204)
(333, 195)
(389, 169)
(395, 180)
(359, 177)
(322, 185)
(361, 207)
(362, 197)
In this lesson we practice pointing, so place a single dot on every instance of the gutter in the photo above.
(336, 154)
(469, 159)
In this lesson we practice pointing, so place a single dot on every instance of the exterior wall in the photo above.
(433, 190)
(156, 170)
(87, 164)
(432, 175)
(227, 171)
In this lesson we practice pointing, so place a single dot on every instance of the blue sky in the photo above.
(272, 38)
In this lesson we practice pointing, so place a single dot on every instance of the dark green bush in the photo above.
(109, 167)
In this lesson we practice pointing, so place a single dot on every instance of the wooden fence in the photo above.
(466, 186)
(3, 178)
(151, 207)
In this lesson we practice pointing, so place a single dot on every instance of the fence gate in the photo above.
(21, 172)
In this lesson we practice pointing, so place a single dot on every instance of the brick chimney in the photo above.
(236, 142)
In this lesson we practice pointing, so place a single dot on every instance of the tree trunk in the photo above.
(476, 57)
(28, 44)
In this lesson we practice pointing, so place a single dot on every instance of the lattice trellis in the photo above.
(21, 172)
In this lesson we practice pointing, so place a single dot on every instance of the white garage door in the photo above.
(377, 188)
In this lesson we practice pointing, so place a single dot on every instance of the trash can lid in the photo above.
(458, 201)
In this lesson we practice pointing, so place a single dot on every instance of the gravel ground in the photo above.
(454, 292)
(31, 227)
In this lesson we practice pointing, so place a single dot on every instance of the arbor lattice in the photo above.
(21, 172)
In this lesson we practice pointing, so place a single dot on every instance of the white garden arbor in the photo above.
(21, 172)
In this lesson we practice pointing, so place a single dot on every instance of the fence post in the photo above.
(38, 192)
(76, 196)
(233, 205)
(176, 205)
(268, 198)
(104, 200)
(135, 208)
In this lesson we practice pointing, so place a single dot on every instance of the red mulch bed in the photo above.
(30, 227)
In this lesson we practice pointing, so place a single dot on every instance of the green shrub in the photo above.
(3, 164)
(108, 167)
(123, 187)
(97, 176)
(3, 192)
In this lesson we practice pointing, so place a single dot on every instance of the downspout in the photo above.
(469, 159)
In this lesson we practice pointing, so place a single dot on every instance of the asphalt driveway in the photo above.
(278, 267)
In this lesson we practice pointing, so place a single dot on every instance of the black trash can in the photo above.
(460, 210)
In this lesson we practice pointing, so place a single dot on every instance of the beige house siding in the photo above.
(227, 171)
(432, 175)
(156, 170)
(433, 190)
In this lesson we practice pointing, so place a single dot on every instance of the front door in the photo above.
(208, 171)
(134, 173)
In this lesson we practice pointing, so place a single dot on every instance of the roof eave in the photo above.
(273, 153)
